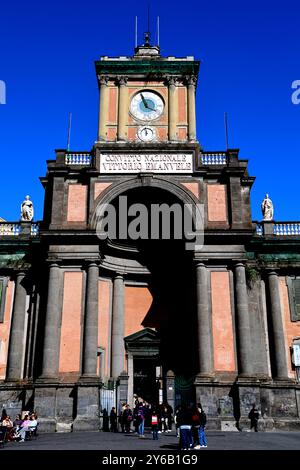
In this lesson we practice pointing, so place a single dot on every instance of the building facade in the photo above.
(90, 316)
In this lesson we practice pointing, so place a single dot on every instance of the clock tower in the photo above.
(147, 97)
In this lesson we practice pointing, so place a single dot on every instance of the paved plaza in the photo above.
(217, 440)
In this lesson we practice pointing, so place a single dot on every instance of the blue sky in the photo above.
(249, 52)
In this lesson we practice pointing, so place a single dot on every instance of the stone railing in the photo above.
(213, 158)
(259, 228)
(287, 228)
(35, 229)
(10, 229)
(281, 229)
(16, 229)
(77, 158)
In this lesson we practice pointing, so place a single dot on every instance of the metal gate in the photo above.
(108, 400)
(184, 391)
(108, 396)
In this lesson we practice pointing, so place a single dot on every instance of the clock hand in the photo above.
(144, 101)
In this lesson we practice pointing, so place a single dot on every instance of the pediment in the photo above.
(146, 335)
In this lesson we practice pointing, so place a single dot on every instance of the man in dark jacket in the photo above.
(253, 416)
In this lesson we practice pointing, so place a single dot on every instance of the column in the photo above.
(52, 324)
(16, 342)
(192, 107)
(122, 108)
(117, 340)
(103, 107)
(130, 378)
(172, 108)
(243, 322)
(205, 352)
(277, 326)
(90, 344)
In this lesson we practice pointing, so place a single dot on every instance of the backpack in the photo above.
(196, 419)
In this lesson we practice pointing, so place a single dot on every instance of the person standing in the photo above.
(184, 418)
(253, 416)
(113, 420)
(127, 418)
(202, 424)
(154, 425)
(141, 420)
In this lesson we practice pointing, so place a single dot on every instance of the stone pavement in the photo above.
(217, 440)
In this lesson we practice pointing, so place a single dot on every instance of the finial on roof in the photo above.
(147, 38)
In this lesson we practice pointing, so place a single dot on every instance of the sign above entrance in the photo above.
(146, 162)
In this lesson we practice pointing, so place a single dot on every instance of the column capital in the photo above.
(121, 80)
(239, 263)
(171, 80)
(89, 263)
(200, 263)
(20, 274)
(53, 263)
(103, 80)
(271, 271)
(191, 80)
(119, 275)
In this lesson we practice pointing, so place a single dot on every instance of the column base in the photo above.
(45, 407)
(47, 424)
(204, 377)
(246, 379)
(44, 380)
(86, 424)
(283, 380)
(88, 403)
(90, 380)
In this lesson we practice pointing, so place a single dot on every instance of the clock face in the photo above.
(146, 133)
(146, 106)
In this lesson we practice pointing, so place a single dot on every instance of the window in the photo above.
(293, 284)
(295, 349)
(3, 285)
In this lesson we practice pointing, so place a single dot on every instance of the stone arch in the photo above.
(184, 195)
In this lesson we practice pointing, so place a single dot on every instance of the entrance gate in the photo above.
(108, 400)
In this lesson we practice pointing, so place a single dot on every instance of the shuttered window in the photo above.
(294, 297)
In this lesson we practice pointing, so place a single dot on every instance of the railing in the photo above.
(217, 158)
(83, 159)
(10, 229)
(287, 228)
(259, 228)
(15, 229)
(281, 229)
(35, 229)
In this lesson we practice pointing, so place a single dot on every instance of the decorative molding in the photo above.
(122, 80)
(191, 80)
(103, 79)
(171, 80)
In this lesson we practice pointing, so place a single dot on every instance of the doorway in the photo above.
(145, 385)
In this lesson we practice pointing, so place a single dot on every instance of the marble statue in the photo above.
(26, 210)
(267, 208)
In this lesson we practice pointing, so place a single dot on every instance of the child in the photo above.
(154, 424)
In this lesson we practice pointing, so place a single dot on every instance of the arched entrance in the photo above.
(166, 267)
